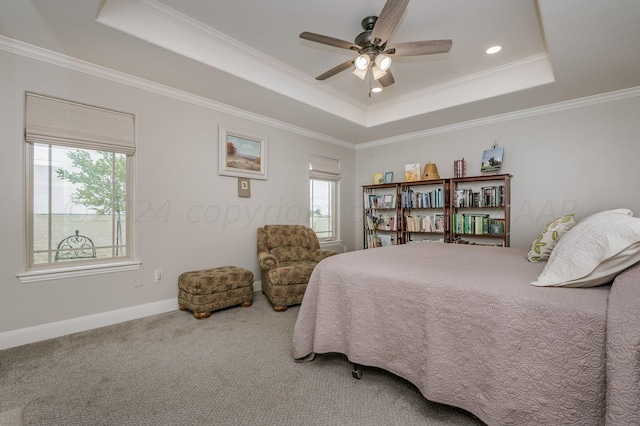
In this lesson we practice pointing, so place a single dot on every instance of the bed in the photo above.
(464, 325)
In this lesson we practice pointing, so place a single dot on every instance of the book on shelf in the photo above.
(422, 200)
(478, 224)
(383, 201)
(381, 222)
(385, 240)
(375, 240)
(439, 222)
(488, 196)
(425, 223)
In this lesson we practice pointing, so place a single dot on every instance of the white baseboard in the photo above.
(37, 333)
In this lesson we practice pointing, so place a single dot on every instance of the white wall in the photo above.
(582, 159)
(186, 216)
(577, 160)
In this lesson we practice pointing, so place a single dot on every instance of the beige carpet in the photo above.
(11, 417)
(234, 368)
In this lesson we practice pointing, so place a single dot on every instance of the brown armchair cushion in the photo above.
(291, 273)
(289, 243)
(287, 255)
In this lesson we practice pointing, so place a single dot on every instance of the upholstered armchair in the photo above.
(287, 255)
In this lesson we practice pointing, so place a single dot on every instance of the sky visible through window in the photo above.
(62, 190)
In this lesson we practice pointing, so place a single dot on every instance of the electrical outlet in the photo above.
(157, 275)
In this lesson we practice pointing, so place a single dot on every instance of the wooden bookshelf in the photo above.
(382, 221)
(425, 210)
(480, 211)
(469, 210)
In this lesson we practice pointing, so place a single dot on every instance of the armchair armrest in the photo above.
(320, 254)
(267, 261)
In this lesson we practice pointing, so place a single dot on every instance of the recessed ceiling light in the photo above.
(493, 50)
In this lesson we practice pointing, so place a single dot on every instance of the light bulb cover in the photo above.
(361, 73)
(383, 61)
(376, 89)
(377, 73)
(362, 62)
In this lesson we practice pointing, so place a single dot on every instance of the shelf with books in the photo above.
(480, 210)
(381, 219)
(424, 208)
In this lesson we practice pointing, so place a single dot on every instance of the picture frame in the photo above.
(412, 172)
(439, 222)
(242, 154)
(378, 178)
(388, 177)
(492, 160)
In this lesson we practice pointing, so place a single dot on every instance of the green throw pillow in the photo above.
(543, 245)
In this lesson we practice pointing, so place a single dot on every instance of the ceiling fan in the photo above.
(372, 45)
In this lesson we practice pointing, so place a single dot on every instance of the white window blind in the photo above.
(323, 167)
(59, 122)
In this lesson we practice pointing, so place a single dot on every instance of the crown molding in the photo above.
(165, 27)
(525, 113)
(64, 61)
(515, 76)
(189, 24)
(170, 29)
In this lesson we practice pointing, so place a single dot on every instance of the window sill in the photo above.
(77, 271)
(331, 244)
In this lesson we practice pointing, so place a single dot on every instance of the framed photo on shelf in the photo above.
(388, 177)
(242, 154)
(438, 222)
(412, 172)
(378, 178)
(492, 160)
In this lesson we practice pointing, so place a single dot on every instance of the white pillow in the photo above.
(594, 251)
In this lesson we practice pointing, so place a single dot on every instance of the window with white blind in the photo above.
(80, 162)
(324, 177)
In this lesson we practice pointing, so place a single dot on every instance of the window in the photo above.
(80, 168)
(324, 176)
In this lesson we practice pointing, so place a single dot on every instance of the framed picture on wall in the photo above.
(242, 154)
(492, 160)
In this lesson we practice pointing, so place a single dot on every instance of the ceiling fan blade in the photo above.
(412, 48)
(388, 21)
(335, 70)
(387, 79)
(318, 38)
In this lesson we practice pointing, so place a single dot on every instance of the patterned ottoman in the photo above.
(207, 290)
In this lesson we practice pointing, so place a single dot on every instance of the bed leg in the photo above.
(356, 373)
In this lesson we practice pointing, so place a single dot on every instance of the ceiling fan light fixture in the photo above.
(493, 50)
(360, 73)
(362, 62)
(383, 61)
(371, 46)
(378, 73)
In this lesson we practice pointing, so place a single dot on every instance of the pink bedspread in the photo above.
(463, 324)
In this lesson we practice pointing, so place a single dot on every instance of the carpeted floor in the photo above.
(234, 368)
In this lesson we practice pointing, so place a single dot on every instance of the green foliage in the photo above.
(102, 183)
